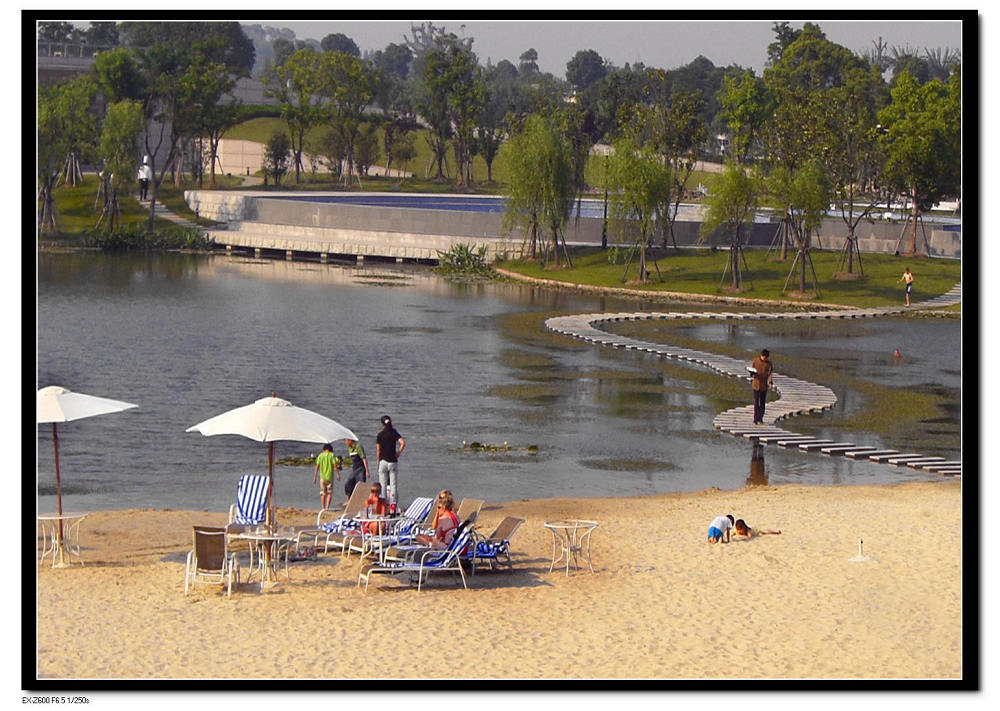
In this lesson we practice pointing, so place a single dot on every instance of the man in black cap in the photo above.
(388, 460)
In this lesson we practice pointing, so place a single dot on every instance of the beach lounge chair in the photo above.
(333, 531)
(250, 508)
(469, 510)
(426, 561)
(209, 560)
(491, 547)
(399, 529)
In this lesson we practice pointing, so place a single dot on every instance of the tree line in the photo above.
(821, 125)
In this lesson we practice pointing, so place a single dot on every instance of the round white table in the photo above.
(269, 545)
(61, 537)
(570, 540)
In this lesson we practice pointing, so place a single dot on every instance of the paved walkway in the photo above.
(160, 210)
(796, 396)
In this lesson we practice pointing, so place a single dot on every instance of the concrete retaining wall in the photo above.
(261, 220)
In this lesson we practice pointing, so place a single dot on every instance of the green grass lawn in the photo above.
(77, 214)
(700, 271)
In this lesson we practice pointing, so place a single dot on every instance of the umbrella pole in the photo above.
(270, 487)
(55, 443)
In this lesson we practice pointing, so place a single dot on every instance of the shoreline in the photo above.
(661, 604)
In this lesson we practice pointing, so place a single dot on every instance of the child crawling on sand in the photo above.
(742, 529)
(718, 530)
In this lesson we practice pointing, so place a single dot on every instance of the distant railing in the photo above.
(73, 50)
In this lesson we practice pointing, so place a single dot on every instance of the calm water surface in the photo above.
(188, 337)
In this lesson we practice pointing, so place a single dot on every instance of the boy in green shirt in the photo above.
(326, 465)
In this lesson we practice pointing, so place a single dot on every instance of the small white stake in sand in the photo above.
(860, 557)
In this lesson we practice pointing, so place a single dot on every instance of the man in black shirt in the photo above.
(388, 460)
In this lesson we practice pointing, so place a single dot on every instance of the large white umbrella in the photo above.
(57, 404)
(270, 419)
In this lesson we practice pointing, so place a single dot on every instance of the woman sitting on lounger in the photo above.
(445, 523)
(740, 528)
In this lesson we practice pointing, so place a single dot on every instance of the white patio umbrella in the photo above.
(271, 419)
(57, 404)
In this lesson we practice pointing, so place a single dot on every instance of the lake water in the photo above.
(187, 337)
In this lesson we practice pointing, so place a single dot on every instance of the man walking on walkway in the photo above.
(388, 460)
(762, 380)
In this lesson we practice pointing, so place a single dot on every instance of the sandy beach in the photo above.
(662, 604)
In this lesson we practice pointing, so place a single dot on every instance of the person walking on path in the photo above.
(388, 460)
(908, 278)
(762, 380)
(359, 467)
(326, 465)
(145, 175)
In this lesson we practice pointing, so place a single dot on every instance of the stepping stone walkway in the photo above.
(796, 396)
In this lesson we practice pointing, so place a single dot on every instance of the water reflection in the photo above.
(758, 476)
(187, 336)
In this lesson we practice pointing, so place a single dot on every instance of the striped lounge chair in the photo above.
(426, 561)
(494, 545)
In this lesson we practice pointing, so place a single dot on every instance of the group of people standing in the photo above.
(389, 446)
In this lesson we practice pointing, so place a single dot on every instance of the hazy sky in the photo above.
(660, 42)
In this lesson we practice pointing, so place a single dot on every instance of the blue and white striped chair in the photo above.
(398, 530)
(335, 532)
(250, 508)
(427, 561)
(494, 545)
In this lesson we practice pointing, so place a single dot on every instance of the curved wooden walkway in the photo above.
(796, 396)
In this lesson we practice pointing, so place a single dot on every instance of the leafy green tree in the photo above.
(922, 141)
(123, 127)
(849, 138)
(281, 49)
(809, 66)
(804, 194)
(366, 150)
(79, 122)
(639, 189)
(119, 75)
(432, 104)
(586, 67)
(404, 150)
(676, 130)
(732, 203)
(277, 156)
(206, 115)
(102, 34)
(330, 145)
(347, 86)
(231, 46)
(395, 59)
(53, 145)
(746, 106)
(339, 42)
(528, 62)
(540, 186)
(492, 128)
(54, 31)
(298, 85)
(784, 35)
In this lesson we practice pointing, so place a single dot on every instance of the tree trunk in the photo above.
(913, 222)
(734, 256)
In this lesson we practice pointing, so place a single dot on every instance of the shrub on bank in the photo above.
(135, 237)
(463, 259)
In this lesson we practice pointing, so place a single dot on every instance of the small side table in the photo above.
(61, 538)
(570, 540)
